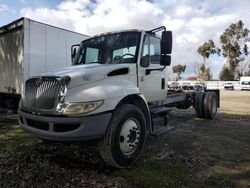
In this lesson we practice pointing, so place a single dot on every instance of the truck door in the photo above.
(151, 84)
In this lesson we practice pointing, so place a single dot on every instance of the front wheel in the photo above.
(125, 137)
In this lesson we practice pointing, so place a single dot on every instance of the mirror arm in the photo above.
(72, 50)
(148, 71)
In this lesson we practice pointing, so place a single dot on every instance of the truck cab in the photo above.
(128, 55)
(110, 74)
(112, 92)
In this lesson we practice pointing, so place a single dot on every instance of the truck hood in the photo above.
(85, 74)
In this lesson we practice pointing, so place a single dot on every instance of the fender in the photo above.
(140, 101)
(111, 90)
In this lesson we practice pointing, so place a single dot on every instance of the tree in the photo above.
(234, 44)
(205, 50)
(201, 71)
(226, 74)
(247, 73)
(192, 78)
(205, 73)
(242, 69)
(178, 69)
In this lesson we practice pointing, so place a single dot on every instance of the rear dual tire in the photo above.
(199, 104)
(205, 105)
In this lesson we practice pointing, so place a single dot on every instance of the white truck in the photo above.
(112, 92)
(29, 48)
(245, 83)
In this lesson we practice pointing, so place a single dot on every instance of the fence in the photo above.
(213, 84)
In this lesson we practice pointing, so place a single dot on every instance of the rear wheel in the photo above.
(210, 105)
(125, 138)
(199, 104)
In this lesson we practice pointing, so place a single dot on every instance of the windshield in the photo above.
(109, 49)
(245, 83)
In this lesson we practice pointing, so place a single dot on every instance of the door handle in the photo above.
(148, 71)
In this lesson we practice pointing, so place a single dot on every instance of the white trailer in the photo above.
(245, 83)
(29, 48)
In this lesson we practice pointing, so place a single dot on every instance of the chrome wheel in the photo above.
(125, 137)
(129, 136)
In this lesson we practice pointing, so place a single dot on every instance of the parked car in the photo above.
(228, 86)
(186, 86)
(175, 86)
(199, 86)
(245, 83)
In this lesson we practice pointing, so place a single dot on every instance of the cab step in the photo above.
(160, 111)
(159, 130)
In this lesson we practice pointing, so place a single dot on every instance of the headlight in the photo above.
(81, 108)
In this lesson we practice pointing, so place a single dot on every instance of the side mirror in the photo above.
(74, 49)
(166, 42)
(166, 48)
(165, 60)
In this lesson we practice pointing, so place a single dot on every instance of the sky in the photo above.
(193, 22)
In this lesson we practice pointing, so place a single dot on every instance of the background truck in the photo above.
(29, 48)
(113, 92)
(245, 83)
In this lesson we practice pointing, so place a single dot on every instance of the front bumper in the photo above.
(65, 128)
(229, 87)
(245, 87)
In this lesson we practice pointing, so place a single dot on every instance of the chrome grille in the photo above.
(42, 93)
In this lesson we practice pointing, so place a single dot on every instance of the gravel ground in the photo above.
(197, 153)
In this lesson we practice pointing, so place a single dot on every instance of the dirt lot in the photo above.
(197, 153)
(235, 102)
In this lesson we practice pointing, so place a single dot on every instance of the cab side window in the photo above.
(145, 52)
(92, 55)
(155, 50)
(151, 51)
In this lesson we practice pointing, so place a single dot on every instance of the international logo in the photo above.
(86, 77)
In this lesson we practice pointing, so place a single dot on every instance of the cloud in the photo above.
(49, 16)
(91, 18)
(193, 22)
(5, 8)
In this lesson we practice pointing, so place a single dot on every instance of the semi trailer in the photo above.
(112, 93)
(29, 48)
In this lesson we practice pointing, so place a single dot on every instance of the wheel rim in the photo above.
(129, 136)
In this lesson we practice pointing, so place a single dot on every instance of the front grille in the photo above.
(65, 127)
(42, 93)
(57, 127)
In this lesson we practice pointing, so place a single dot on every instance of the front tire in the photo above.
(125, 137)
